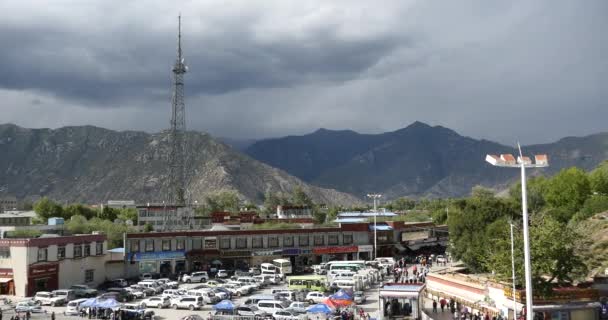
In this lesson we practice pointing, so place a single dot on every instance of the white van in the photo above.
(208, 296)
(272, 306)
(345, 284)
(72, 309)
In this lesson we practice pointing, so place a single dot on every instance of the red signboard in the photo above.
(47, 269)
(331, 250)
(6, 273)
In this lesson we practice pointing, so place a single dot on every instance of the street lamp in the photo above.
(507, 160)
(513, 269)
(375, 196)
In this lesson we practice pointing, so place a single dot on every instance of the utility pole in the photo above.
(374, 197)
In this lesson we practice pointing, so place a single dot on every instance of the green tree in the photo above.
(225, 200)
(568, 190)
(599, 179)
(401, 204)
(148, 227)
(536, 189)
(78, 210)
(108, 213)
(554, 250)
(46, 208)
(597, 203)
(319, 216)
(272, 200)
(78, 224)
(128, 214)
(300, 198)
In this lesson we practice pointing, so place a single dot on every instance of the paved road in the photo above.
(369, 306)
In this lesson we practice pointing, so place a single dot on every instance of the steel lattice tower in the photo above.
(177, 156)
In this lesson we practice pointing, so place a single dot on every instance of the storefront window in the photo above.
(210, 243)
(147, 267)
(347, 239)
(319, 240)
(257, 242)
(87, 249)
(241, 243)
(99, 248)
(77, 251)
(166, 245)
(303, 241)
(287, 241)
(89, 275)
(332, 239)
(273, 242)
(197, 243)
(181, 244)
(382, 237)
(135, 246)
(42, 254)
(41, 284)
(5, 252)
(225, 243)
(60, 252)
(149, 245)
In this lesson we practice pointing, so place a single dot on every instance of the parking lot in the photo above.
(370, 306)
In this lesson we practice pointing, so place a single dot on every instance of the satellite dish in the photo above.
(186, 68)
(182, 60)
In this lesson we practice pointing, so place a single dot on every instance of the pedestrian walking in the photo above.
(442, 303)
(27, 315)
(434, 306)
(52, 315)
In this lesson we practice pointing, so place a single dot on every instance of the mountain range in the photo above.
(91, 165)
(417, 161)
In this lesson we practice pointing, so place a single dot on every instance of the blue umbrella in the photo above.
(341, 295)
(108, 303)
(319, 308)
(91, 302)
(225, 305)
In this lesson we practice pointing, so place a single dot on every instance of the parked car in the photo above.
(252, 311)
(169, 283)
(156, 302)
(151, 285)
(29, 305)
(359, 297)
(285, 315)
(255, 271)
(187, 302)
(145, 276)
(315, 297)
(441, 259)
(225, 291)
(84, 291)
(198, 276)
(72, 308)
(236, 289)
(147, 291)
(67, 295)
(136, 293)
(298, 307)
(222, 273)
(47, 298)
(122, 294)
(135, 311)
(271, 306)
(213, 283)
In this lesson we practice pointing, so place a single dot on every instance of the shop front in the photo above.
(43, 277)
(238, 259)
(265, 256)
(365, 252)
(164, 263)
(7, 283)
(336, 253)
(201, 259)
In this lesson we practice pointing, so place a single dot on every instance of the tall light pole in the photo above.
(375, 196)
(507, 160)
(513, 270)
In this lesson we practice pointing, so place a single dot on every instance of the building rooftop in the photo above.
(366, 214)
(18, 214)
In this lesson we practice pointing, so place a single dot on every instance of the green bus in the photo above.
(313, 283)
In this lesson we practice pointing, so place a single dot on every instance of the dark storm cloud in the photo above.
(493, 69)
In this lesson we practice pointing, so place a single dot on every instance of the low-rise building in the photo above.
(7, 203)
(479, 293)
(287, 212)
(17, 218)
(164, 217)
(50, 263)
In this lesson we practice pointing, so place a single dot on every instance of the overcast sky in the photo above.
(524, 70)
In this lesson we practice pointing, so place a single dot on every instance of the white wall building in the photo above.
(51, 263)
